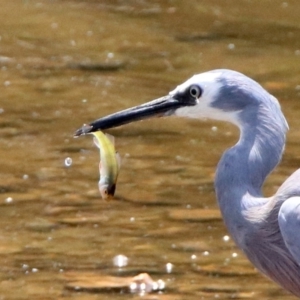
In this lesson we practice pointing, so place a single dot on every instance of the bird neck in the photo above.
(243, 168)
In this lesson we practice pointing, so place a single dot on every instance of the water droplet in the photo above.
(143, 286)
(226, 238)
(25, 176)
(120, 261)
(205, 253)
(234, 254)
(9, 200)
(68, 161)
(161, 284)
(193, 256)
(133, 286)
(34, 270)
(169, 267)
(231, 46)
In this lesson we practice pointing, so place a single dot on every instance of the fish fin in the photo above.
(111, 138)
(96, 142)
(119, 160)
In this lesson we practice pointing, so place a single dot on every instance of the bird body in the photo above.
(266, 229)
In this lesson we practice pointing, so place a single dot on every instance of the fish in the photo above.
(110, 163)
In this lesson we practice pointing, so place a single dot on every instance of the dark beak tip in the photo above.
(83, 130)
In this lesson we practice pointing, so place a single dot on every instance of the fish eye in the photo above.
(195, 91)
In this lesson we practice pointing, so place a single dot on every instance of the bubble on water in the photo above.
(169, 267)
(1, 110)
(120, 261)
(158, 285)
(68, 161)
(226, 238)
(25, 176)
(9, 200)
(231, 46)
(133, 286)
(234, 254)
(193, 256)
(34, 270)
(143, 286)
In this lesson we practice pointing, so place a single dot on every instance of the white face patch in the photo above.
(210, 86)
(207, 81)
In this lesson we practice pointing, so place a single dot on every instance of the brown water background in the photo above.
(65, 63)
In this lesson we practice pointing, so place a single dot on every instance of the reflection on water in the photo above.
(66, 63)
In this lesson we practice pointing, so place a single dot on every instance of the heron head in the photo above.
(218, 94)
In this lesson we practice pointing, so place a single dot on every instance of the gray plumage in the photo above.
(266, 229)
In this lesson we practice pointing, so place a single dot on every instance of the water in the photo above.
(63, 64)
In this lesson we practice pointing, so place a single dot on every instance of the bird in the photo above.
(266, 229)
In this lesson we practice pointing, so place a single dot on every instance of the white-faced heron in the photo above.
(266, 229)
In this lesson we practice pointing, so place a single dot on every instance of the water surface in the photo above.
(64, 63)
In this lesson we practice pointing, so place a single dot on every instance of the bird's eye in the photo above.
(195, 91)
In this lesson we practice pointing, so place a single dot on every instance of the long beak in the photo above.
(164, 106)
